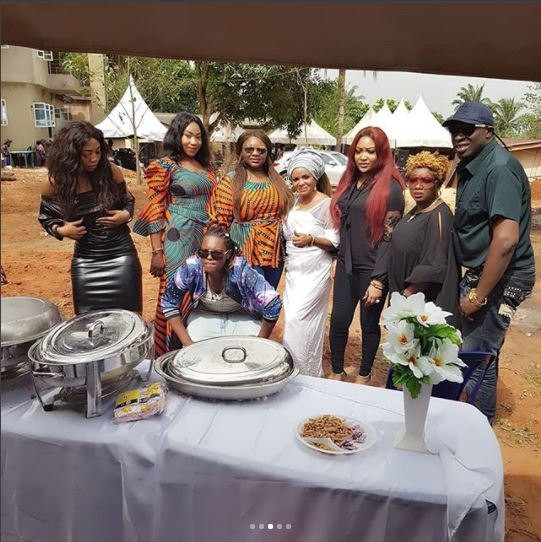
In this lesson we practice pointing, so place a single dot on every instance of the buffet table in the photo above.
(234, 472)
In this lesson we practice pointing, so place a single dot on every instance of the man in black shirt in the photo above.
(492, 225)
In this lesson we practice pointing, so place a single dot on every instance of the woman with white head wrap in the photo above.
(311, 239)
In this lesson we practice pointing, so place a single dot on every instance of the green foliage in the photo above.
(507, 118)
(326, 114)
(391, 104)
(439, 117)
(531, 120)
(402, 376)
(167, 85)
(269, 95)
(77, 65)
(470, 93)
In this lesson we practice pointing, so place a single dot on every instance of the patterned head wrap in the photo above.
(309, 160)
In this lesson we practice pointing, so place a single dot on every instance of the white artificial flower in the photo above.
(446, 363)
(418, 364)
(431, 315)
(403, 307)
(392, 355)
(401, 336)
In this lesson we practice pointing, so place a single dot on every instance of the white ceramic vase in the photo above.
(412, 436)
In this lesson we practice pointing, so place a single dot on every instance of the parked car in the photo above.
(335, 164)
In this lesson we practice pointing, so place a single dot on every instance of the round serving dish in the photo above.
(24, 319)
(99, 347)
(228, 368)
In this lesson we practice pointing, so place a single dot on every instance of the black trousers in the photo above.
(348, 291)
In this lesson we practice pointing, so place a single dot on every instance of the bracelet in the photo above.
(376, 285)
(472, 297)
(311, 240)
(156, 250)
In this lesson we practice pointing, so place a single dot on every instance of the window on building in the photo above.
(4, 113)
(44, 116)
(61, 114)
(45, 55)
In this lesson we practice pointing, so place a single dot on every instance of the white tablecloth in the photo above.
(234, 472)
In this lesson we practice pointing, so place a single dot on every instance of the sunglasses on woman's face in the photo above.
(425, 181)
(203, 253)
(255, 150)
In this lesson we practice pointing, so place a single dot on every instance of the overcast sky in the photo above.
(438, 90)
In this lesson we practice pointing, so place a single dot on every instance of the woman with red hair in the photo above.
(366, 206)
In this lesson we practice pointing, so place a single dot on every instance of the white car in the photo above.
(335, 164)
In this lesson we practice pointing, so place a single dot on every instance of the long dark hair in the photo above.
(64, 165)
(284, 193)
(230, 245)
(172, 142)
(384, 172)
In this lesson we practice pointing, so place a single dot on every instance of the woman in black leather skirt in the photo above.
(86, 199)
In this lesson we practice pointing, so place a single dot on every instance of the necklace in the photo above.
(431, 207)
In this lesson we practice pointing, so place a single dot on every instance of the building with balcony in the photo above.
(38, 97)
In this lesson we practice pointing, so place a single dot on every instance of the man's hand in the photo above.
(467, 308)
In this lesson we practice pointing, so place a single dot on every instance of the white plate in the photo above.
(368, 429)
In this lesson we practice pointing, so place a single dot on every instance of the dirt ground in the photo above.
(38, 265)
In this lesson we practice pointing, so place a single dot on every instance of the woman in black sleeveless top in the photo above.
(86, 199)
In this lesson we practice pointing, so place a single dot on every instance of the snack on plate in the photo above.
(140, 403)
(333, 427)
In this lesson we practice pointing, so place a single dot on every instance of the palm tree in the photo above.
(507, 120)
(470, 93)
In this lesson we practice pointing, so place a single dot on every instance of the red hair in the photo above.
(384, 172)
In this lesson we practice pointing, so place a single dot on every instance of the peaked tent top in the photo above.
(315, 135)
(366, 120)
(421, 129)
(124, 117)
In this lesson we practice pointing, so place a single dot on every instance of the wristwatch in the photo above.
(472, 297)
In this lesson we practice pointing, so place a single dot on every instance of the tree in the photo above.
(470, 93)
(531, 120)
(391, 104)
(507, 118)
(439, 117)
(271, 96)
(326, 114)
(341, 107)
(166, 85)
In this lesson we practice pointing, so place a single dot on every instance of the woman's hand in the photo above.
(72, 230)
(114, 218)
(157, 264)
(372, 296)
(300, 240)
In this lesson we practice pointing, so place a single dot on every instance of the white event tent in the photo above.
(225, 132)
(382, 119)
(311, 134)
(419, 128)
(124, 117)
(366, 120)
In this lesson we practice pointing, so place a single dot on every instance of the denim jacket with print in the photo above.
(244, 284)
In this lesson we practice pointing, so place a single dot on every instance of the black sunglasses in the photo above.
(203, 253)
(465, 129)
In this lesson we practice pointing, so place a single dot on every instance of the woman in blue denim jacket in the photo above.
(217, 293)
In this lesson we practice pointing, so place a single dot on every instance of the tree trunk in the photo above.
(201, 75)
(341, 107)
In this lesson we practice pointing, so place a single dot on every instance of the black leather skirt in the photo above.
(113, 283)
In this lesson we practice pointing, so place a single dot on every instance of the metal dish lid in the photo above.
(232, 360)
(25, 319)
(92, 336)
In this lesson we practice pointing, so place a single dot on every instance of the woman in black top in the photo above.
(366, 206)
(86, 199)
(422, 257)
